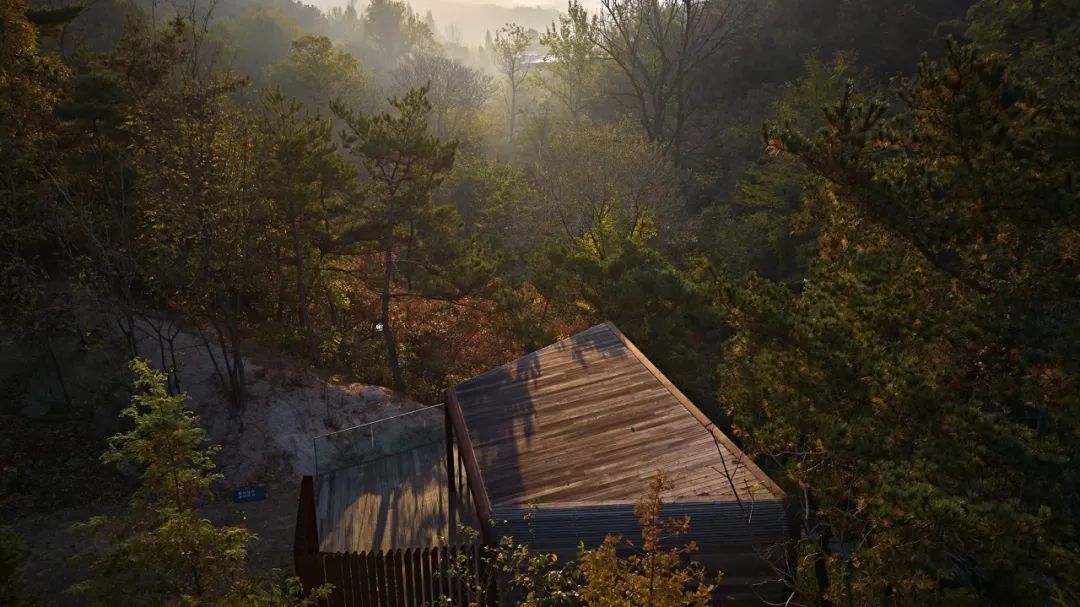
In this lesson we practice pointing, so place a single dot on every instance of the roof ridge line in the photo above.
(709, 425)
(510, 364)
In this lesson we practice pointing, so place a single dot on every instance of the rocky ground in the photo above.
(267, 444)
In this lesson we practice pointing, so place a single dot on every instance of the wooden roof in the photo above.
(589, 421)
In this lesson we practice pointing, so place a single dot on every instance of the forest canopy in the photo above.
(850, 230)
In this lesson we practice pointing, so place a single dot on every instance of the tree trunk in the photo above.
(303, 317)
(821, 572)
(513, 112)
(213, 357)
(234, 361)
(174, 375)
(127, 328)
(58, 368)
(387, 330)
(228, 379)
(237, 377)
(160, 331)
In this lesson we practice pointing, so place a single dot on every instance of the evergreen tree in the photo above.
(397, 30)
(161, 551)
(917, 393)
(402, 165)
(761, 228)
(12, 562)
(317, 73)
(305, 182)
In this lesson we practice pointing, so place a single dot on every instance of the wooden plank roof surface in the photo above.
(589, 421)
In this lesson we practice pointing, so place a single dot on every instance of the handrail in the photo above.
(376, 421)
(333, 440)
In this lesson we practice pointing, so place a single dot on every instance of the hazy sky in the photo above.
(558, 4)
(472, 20)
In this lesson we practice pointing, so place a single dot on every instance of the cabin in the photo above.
(553, 449)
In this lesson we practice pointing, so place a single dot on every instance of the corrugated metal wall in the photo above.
(746, 554)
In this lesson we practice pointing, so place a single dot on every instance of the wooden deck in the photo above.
(400, 501)
(590, 421)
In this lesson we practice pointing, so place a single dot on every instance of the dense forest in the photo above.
(848, 229)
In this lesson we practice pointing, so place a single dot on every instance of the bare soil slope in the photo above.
(267, 444)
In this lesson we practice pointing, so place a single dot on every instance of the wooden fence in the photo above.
(395, 578)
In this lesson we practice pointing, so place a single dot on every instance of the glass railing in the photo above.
(381, 438)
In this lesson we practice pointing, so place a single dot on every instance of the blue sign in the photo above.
(249, 494)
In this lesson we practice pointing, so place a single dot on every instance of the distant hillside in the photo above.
(472, 18)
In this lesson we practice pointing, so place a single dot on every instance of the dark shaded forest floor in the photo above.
(55, 478)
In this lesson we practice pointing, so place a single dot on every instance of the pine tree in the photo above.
(161, 551)
(918, 393)
(403, 165)
(305, 182)
(13, 556)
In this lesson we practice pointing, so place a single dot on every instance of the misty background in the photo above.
(474, 18)
(847, 230)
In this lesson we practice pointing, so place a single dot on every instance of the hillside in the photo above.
(846, 231)
(268, 444)
(474, 20)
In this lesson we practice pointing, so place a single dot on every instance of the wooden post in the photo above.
(306, 536)
(374, 593)
(451, 475)
(472, 468)
(450, 460)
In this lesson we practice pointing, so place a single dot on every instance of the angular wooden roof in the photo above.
(589, 420)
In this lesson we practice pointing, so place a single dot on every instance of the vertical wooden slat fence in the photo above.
(394, 578)
(398, 578)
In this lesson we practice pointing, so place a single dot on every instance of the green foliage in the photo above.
(1042, 35)
(30, 86)
(317, 73)
(488, 194)
(596, 186)
(258, 38)
(384, 142)
(509, 54)
(269, 593)
(572, 73)
(305, 183)
(901, 316)
(161, 551)
(12, 561)
(529, 578)
(666, 311)
(201, 227)
(761, 228)
(916, 393)
(403, 164)
(616, 573)
(650, 574)
(396, 30)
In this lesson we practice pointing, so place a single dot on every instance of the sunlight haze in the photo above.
(357, 303)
